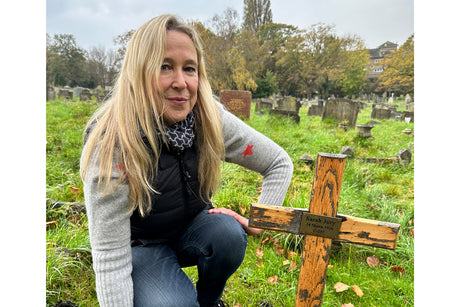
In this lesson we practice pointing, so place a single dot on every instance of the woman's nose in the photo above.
(179, 80)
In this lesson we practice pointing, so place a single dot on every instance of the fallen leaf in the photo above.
(340, 287)
(293, 266)
(266, 240)
(259, 253)
(242, 209)
(286, 262)
(412, 232)
(348, 305)
(373, 261)
(279, 250)
(330, 266)
(291, 255)
(272, 279)
(357, 290)
(259, 264)
(237, 305)
(74, 190)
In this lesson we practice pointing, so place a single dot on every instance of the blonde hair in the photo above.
(115, 127)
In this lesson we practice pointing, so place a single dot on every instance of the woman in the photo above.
(150, 165)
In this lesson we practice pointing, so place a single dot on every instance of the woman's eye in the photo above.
(190, 69)
(165, 67)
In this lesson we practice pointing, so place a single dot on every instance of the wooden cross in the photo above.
(321, 224)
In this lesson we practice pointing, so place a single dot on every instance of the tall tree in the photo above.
(256, 14)
(353, 78)
(398, 75)
(66, 60)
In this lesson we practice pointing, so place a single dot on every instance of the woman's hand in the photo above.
(242, 220)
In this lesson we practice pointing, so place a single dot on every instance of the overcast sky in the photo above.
(96, 23)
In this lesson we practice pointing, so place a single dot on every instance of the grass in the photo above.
(376, 191)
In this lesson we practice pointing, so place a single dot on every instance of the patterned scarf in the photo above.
(181, 135)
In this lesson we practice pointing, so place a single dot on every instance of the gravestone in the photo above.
(77, 90)
(380, 112)
(264, 104)
(65, 93)
(237, 102)
(50, 93)
(321, 224)
(85, 94)
(315, 110)
(407, 116)
(404, 156)
(287, 106)
(342, 110)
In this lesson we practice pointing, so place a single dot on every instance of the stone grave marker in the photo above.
(342, 110)
(315, 110)
(237, 102)
(85, 94)
(380, 112)
(263, 104)
(321, 224)
(77, 90)
(407, 116)
(287, 106)
(50, 93)
(65, 93)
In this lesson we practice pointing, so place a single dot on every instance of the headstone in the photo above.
(307, 159)
(380, 112)
(77, 90)
(264, 104)
(237, 102)
(50, 93)
(404, 156)
(408, 99)
(408, 116)
(321, 225)
(65, 93)
(287, 106)
(85, 94)
(315, 110)
(349, 151)
(343, 110)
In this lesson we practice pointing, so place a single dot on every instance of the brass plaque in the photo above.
(320, 225)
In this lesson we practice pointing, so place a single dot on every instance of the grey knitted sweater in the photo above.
(109, 217)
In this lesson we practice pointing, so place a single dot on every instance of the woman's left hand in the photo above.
(242, 220)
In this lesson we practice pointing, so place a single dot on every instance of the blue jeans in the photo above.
(215, 243)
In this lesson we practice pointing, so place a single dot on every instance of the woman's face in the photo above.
(178, 77)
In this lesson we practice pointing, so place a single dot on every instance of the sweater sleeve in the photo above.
(110, 237)
(253, 150)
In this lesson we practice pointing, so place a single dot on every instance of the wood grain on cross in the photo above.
(321, 224)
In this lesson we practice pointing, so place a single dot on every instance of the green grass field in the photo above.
(382, 192)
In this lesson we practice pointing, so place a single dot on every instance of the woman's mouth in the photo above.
(177, 100)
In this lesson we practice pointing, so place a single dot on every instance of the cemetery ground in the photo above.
(270, 271)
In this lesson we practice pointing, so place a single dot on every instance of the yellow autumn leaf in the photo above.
(340, 287)
(259, 253)
(286, 262)
(279, 250)
(373, 261)
(357, 290)
(293, 266)
(347, 305)
(272, 279)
